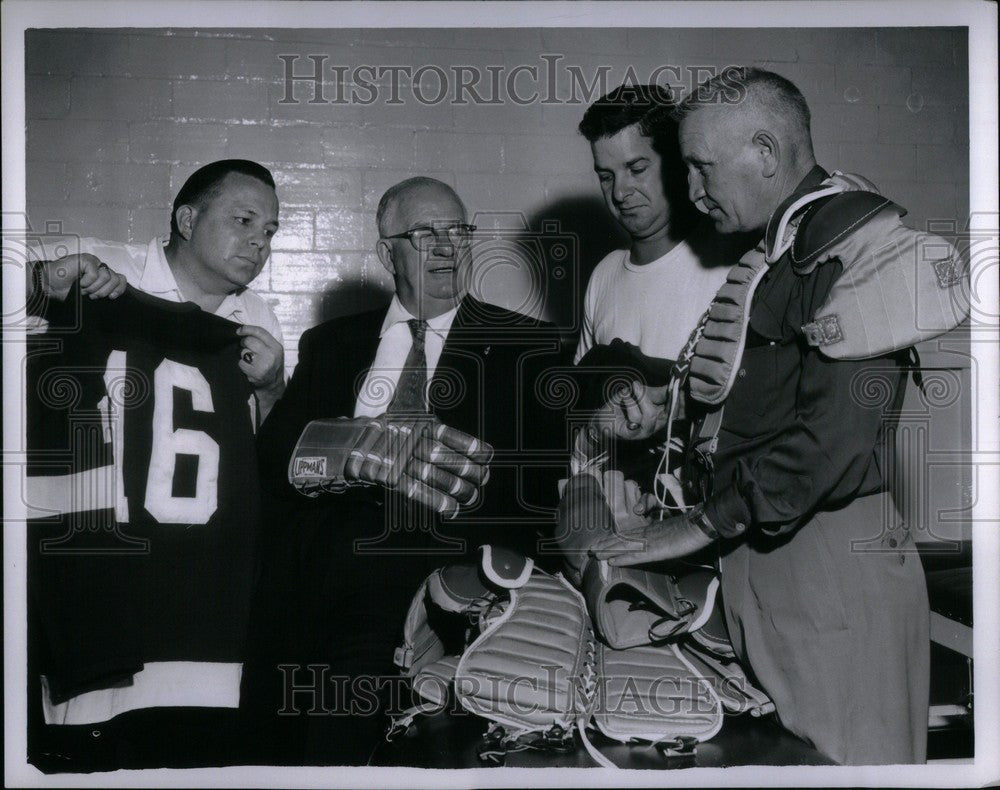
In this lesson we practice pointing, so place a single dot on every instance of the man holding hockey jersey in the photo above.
(142, 493)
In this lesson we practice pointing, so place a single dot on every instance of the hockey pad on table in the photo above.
(652, 693)
(451, 590)
(533, 666)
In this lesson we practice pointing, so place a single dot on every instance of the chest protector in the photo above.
(898, 287)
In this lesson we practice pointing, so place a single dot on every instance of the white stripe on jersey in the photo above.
(160, 684)
(56, 495)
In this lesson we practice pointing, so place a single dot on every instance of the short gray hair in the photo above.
(777, 96)
(395, 192)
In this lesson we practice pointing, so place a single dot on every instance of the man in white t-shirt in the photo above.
(652, 294)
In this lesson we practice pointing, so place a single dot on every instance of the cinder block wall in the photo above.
(117, 119)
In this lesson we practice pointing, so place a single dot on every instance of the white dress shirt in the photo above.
(396, 341)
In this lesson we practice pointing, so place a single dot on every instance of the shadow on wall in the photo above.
(540, 264)
(594, 234)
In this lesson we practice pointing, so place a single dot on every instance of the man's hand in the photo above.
(262, 361)
(625, 499)
(652, 541)
(97, 280)
(634, 411)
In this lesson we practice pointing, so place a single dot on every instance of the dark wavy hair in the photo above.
(651, 108)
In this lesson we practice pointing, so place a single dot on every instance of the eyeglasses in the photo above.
(458, 233)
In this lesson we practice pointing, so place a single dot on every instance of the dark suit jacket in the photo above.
(338, 571)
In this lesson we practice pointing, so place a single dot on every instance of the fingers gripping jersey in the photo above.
(141, 489)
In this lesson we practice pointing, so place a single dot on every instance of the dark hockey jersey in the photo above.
(141, 490)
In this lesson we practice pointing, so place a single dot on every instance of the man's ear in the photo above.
(384, 250)
(769, 151)
(185, 217)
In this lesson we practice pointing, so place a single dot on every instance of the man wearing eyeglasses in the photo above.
(342, 568)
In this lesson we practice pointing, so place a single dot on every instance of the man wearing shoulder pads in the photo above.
(824, 594)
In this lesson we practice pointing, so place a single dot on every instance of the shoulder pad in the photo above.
(829, 220)
(505, 568)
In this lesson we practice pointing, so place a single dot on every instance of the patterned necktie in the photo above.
(409, 396)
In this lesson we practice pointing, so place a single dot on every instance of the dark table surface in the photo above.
(450, 740)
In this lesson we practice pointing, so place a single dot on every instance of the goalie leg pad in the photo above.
(652, 693)
(531, 668)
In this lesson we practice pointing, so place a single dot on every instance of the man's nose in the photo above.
(696, 189)
(442, 247)
(621, 190)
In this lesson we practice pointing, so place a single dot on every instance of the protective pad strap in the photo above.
(421, 645)
(737, 693)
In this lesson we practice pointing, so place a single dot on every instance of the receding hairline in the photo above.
(395, 194)
(760, 98)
